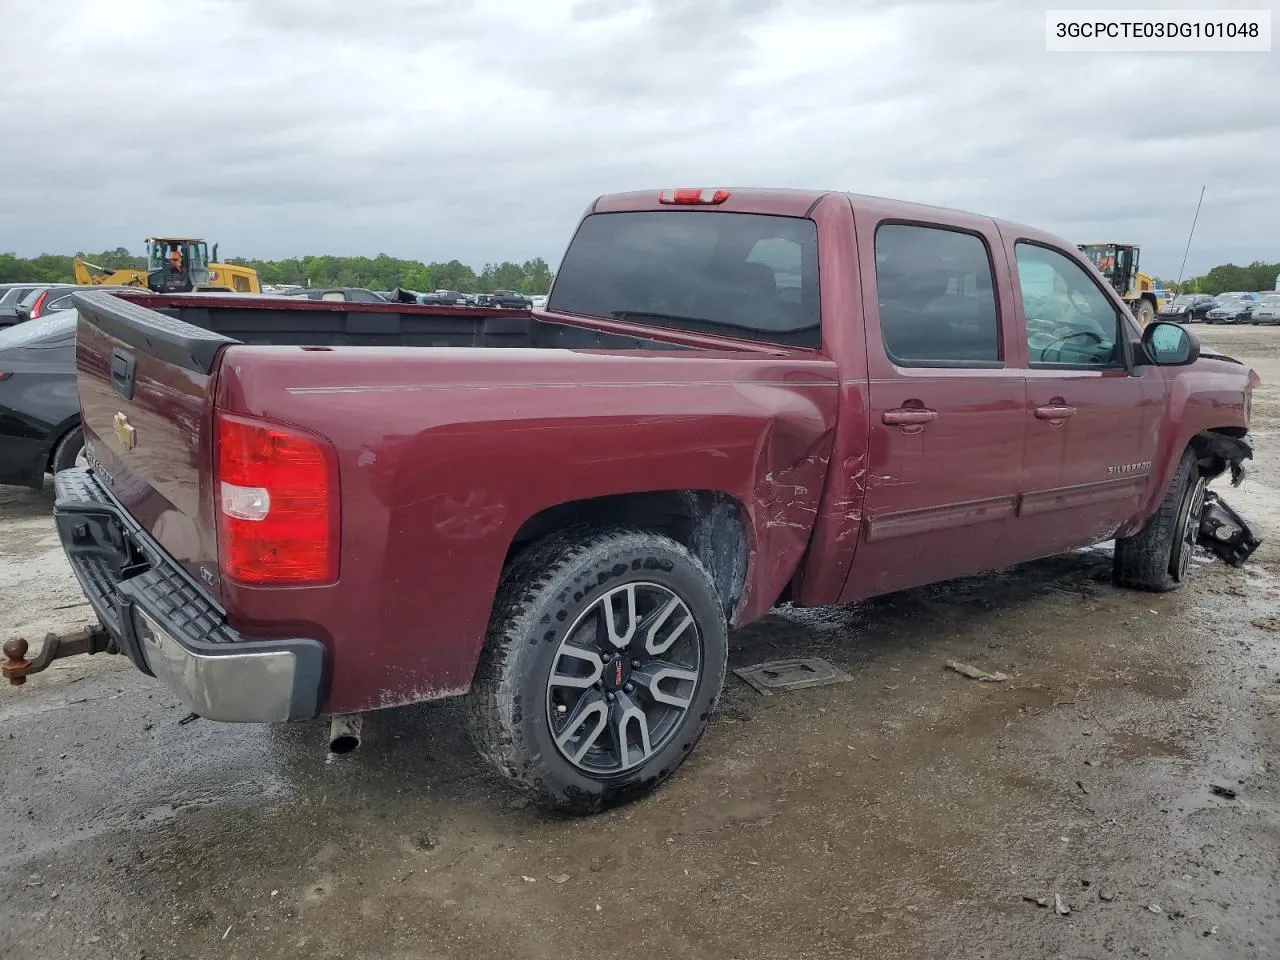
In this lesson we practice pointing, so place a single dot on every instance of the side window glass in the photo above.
(1069, 320)
(937, 299)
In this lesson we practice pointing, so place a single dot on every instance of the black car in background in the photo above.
(39, 410)
(506, 299)
(1187, 308)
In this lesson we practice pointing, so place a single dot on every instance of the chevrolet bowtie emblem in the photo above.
(125, 433)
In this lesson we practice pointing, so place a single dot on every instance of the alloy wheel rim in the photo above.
(1190, 526)
(623, 678)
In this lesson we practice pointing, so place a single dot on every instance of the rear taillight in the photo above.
(5, 374)
(693, 195)
(277, 503)
(38, 306)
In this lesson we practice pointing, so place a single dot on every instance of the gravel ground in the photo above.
(909, 813)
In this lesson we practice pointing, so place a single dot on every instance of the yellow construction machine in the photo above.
(174, 265)
(1118, 263)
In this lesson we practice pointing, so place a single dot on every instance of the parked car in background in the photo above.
(11, 294)
(39, 410)
(444, 298)
(349, 294)
(52, 298)
(507, 299)
(1267, 310)
(1231, 310)
(539, 302)
(1187, 308)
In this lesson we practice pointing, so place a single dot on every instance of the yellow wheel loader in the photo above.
(1118, 263)
(174, 265)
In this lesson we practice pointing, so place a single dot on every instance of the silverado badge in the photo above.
(124, 431)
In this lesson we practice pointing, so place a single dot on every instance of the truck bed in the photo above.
(284, 321)
(439, 463)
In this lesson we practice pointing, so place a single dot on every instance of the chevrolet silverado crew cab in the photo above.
(734, 398)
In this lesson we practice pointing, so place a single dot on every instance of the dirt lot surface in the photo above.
(909, 813)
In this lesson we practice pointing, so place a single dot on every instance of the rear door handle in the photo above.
(1055, 411)
(907, 416)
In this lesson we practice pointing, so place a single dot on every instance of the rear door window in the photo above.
(936, 296)
(751, 276)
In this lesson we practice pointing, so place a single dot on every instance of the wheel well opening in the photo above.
(712, 525)
(1218, 448)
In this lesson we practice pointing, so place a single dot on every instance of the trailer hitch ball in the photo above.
(15, 660)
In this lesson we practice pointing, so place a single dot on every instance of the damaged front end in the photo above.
(1223, 531)
(1226, 534)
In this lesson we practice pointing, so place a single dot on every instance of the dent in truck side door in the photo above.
(946, 402)
(1093, 419)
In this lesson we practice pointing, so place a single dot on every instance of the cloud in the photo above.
(481, 129)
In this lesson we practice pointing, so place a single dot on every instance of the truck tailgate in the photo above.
(146, 385)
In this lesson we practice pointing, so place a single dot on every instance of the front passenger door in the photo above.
(1092, 421)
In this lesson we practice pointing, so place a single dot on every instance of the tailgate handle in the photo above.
(122, 364)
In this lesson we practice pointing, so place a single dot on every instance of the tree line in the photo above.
(532, 277)
(382, 272)
(1256, 277)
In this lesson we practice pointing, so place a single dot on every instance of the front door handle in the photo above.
(1055, 411)
(908, 416)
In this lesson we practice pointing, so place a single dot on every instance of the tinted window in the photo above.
(937, 301)
(1069, 320)
(59, 303)
(13, 295)
(741, 275)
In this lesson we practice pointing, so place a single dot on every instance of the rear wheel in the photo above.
(605, 657)
(1144, 312)
(1158, 557)
(69, 452)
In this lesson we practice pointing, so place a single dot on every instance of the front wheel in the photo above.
(605, 658)
(1158, 557)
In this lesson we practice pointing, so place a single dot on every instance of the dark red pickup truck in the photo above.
(734, 398)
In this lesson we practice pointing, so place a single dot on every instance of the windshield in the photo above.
(1184, 300)
(742, 275)
(56, 326)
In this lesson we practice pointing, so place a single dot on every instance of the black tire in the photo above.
(1144, 313)
(548, 594)
(1157, 557)
(68, 448)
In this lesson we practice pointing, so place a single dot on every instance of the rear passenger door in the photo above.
(1092, 416)
(946, 404)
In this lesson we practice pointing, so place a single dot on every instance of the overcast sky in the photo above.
(481, 130)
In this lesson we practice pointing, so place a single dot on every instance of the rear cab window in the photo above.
(744, 275)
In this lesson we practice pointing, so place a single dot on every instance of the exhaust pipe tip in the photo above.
(344, 732)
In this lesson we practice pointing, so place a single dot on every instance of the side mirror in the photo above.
(1170, 344)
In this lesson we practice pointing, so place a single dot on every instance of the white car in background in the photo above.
(1267, 310)
(539, 302)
